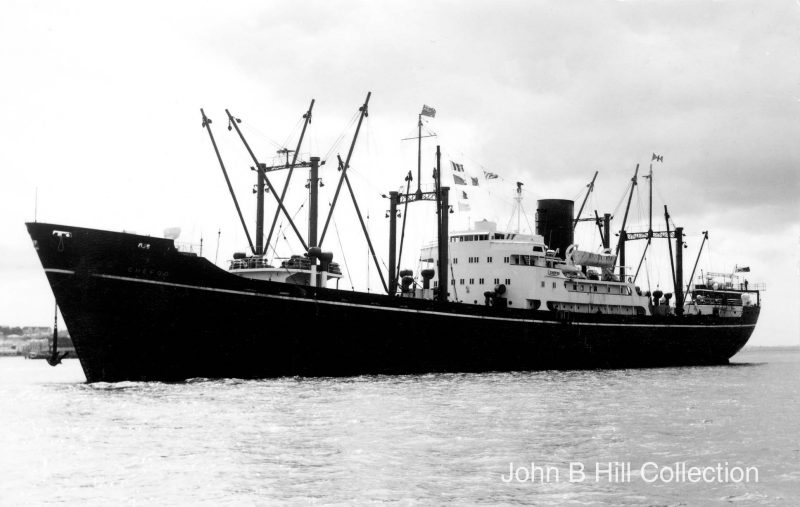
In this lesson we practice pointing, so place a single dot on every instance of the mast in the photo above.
(518, 199)
(313, 193)
(657, 158)
(403, 229)
(650, 227)
(649, 177)
(260, 213)
(678, 270)
(393, 198)
(444, 209)
(419, 156)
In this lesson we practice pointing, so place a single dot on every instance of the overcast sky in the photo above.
(101, 101)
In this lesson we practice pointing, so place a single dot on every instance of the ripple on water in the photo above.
(407, 439)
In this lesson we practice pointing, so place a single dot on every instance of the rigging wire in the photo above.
(273, 247)
(522, 208)
(344, 257)
(280, 229)
(452, 273)
(251, 129)
(622, 198)
(710, 264)
(293, 131)
(339, 139)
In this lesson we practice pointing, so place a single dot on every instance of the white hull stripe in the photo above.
(384, 308)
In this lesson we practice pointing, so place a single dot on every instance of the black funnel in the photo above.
(554, 223)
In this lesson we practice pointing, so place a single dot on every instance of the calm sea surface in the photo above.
(429, 440)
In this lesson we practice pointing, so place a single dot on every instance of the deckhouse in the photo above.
(495, 268)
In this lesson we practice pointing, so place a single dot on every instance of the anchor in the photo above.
(55, 358)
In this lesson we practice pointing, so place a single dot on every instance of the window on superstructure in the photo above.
(435, 284)
(453, 281)
(461, 281)
(455, 260)
(543, 284)
(472, 281)
(505, 259)
(508, 281)
(480, 281)
(499, 236)
(554, 285)
(496, 281)
(488, 259)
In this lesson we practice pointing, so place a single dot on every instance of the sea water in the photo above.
(507, 438)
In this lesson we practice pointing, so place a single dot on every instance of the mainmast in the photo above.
(419, 156)
(650, 184)
(430, 112)
(649, 177)
(440, 195)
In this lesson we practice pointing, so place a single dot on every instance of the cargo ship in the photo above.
(140, 309)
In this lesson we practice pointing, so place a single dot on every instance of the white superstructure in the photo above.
(518, 270)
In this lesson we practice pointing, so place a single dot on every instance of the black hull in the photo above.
(139, 310)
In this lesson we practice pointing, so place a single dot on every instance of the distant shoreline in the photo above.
(756, 348)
